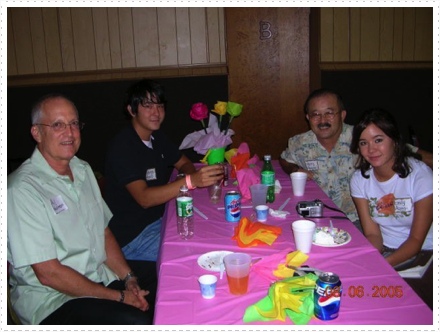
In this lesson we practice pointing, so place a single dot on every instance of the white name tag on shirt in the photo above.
(58, 204)
(312, 165)
(151, 174)
(403, 204)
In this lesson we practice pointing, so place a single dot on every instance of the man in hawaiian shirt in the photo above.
(324, 151)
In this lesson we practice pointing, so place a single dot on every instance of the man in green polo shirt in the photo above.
(65, 265)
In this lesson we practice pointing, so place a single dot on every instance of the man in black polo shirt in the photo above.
(136, 171)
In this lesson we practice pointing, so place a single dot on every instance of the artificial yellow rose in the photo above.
(220, 108)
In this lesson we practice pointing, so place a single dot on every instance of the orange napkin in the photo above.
(242, 159)
(239, 161)
(251, 234)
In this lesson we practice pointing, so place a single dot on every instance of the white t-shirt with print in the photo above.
(391, 203)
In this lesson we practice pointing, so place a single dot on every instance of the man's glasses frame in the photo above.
(327, 115)
(61, 126)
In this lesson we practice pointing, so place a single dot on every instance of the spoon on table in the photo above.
(332, 229)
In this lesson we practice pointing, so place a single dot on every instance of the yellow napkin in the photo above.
(296, 258)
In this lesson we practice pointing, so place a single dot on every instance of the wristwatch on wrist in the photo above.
(130, 275)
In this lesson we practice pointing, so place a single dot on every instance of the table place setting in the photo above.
(273, 265)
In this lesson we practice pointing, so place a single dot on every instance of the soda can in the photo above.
(233, 206)
(327, 296)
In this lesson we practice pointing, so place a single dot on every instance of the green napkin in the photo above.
(291, 296)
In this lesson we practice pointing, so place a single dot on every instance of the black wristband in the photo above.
(122, 298)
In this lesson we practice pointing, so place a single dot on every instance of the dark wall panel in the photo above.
(407, 94)
(100, 106)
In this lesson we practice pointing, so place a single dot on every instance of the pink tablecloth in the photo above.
(367, 279)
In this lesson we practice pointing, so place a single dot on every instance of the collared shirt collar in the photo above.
(47, 173)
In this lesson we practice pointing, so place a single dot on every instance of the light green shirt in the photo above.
(51, 217)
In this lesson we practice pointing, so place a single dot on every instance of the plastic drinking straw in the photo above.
(284, 204)
(200, 213)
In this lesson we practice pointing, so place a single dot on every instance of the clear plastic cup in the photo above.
(237, 271)
(215, 192)
(258, 194)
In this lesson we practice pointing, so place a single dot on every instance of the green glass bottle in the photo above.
(268, 178)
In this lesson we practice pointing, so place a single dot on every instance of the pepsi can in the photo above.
(233, 206)
(327, 296)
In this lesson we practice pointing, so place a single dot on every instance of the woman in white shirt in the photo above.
(392, 191)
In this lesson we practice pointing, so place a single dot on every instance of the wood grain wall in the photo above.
(270, 77)
(71, 40)
(376, 35)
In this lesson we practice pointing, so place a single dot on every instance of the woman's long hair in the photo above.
(385, 122)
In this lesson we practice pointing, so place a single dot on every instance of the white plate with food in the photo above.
(323, 237)
(212, 261)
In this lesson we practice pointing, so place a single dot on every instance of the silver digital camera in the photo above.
(310, 208)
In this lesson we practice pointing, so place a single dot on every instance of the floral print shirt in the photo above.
(332, 171)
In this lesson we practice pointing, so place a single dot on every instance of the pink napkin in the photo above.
(267, 265)
(247, 177)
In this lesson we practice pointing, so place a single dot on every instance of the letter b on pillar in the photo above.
(265, 32)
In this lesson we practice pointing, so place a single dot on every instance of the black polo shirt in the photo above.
(128, 160)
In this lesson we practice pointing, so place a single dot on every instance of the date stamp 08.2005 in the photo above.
(360, 292)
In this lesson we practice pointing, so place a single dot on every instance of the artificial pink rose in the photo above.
(199, 111)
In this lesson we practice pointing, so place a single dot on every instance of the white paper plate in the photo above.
(344, 237)
(212, 261)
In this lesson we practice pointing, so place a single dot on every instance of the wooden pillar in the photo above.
(268, 61)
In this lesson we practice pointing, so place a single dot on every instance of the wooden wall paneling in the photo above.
(12, 61)
(53, 40)
(183, 36)
(355, 34)
(327, 35)
(185, 71)
(38, 40)
(83, 38)
(201, 71)
(263, 79)
(341, 47)
(253, 76)
(23, 41)
(409, 26)
(386, 34)
(294, 73)
(166, 19)
(114, 37)
(102, 38)
(146, 37)
(197, 19)
(423, 34)
(127, 38)
(212, 21)
(222, 33)
(215, 71)
(398, 34)
(370, 34)
(315, 69)
(66, 37)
